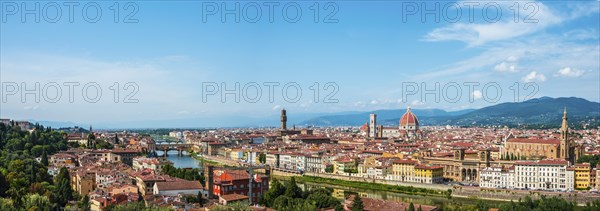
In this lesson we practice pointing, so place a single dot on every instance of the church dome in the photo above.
(364, 127)
(408, 118)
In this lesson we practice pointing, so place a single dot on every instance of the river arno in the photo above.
(184, 161)
(341, 191)
(187, 161)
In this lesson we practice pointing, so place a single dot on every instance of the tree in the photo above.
(63, 191)
(6, 204)
(3, 185)
(45, 158)
(292, 190)
(595, 205)
(481, 206)
(85, 203)
(449, 194)
(262, 158)
(420, 209)
(322, 198)
(357, 205)
(275, 191)
(199, 196)
(282, 202)
(17, 190)
(592, 159)
(411, 207)
(339, 207)
(329, 169)
(37, 202)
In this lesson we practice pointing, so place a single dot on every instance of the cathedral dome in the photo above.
(364, 127)
(409, 118)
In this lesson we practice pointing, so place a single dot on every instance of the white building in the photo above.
(299, 162)
(314, 163)
(272, 159)
(496, 177)
(570, 181)
(285, 161)
(542, 175)
(378, 172)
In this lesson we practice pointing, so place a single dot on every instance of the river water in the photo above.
(185, 161)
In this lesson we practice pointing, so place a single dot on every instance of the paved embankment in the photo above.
(464, 191)
(457, 191)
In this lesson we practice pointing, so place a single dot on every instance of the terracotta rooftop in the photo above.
(179, 185)
(380, 205)
(234, 197)
(534, 141)
(544, 162)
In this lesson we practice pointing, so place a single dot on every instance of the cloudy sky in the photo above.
(158, 61)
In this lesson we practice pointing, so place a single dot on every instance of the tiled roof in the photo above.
(179, 185)
(534, 141)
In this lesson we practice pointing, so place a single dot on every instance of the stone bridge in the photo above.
(166, 147)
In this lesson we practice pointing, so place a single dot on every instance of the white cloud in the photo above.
(506, 67)
(306, 104)
(569, 72)
(183, 113)
(416, 103)
(475, 34)
(512, 59)
(582, 34)
(374, 102)
(534, 76)
(477, 94)
(276, 107)
(31, 107)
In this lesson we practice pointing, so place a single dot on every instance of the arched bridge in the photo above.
(165, 147)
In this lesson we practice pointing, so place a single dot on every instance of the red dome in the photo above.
(364, 127)
(409, 118)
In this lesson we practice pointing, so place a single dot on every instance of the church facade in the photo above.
(533, 148)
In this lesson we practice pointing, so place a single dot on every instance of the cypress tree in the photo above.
(357, 205)
(411, 207)
(45, 158)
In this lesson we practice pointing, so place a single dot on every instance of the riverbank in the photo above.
(441, 201)
(213, 160)
(377, 186)
(471, 194)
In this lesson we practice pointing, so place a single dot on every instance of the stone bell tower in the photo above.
(283, 119)
(565, 145)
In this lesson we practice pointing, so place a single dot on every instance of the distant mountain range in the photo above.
(544, 112)
(386, 117)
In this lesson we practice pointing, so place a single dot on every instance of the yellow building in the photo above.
(403, 170)
(429, 174)
(398, 155)
(582, 175)
(83, 182)
(343, 165)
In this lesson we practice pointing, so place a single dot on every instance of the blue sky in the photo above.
(369, 53)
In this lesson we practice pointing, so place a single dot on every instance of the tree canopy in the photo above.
(291, 197)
